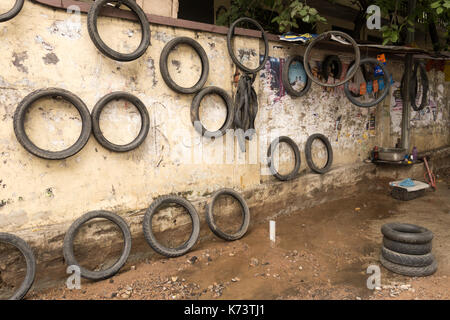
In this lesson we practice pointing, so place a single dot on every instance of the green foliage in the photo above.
(288, 14)
(431, 9)
(285, 14)
(441, 6)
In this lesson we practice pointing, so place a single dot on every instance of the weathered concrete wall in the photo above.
(39, 199)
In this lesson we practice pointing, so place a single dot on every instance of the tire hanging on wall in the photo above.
(24, 140)
(333, 63)
(230, 46)
(195, 112)
(30, 260)
(308, 153)
(386, 76)
(419, 66)
(270, 161)
(163, 66)
(148, 231)
(327, 36)
(72, 232)
(101, 45)
(245, 215)
(14, 11)
(145, 121)
(285, 78)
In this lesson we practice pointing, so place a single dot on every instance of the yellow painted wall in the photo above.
(43, 47)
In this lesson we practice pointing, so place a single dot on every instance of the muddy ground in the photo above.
(320, 253)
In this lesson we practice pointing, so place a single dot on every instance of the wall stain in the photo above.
(19, 58)
(176, 64)
(50, 58)
(151, 68)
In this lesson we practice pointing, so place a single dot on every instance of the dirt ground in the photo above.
(320, 253)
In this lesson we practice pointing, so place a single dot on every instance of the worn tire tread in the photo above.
(150, 237)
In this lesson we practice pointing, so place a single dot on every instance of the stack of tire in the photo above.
(407, 250)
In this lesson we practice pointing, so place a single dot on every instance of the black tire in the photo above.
(102, 47)
(285, 78)
(29, 259)
(230, 46)
(387, 82)
(406, 259)
(245, 212)
(327, 36)
(335, 64)
(19, 121)
(406, 248)
(145, 121)
(406, 233)
(72, 232)
(413, 86)
(150, 237)
(270, 161)
(308, 154)
(13, 12)
(409, 271)
(165, 70)
(195, 112)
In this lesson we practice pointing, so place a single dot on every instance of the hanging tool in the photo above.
(430, 178)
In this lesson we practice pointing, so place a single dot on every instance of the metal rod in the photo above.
(406, 110)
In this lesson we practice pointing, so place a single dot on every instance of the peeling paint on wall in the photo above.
(18, 59)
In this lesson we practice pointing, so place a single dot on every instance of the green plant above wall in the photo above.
(274, 15)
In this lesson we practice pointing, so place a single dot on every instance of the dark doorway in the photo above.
(196, 10)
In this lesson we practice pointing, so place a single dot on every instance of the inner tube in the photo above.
(246, 104)
(145, 121)
(230, 46)
(165, 70)
(29, 259)
(414, 86)
(93, 13)
(327, 36)
(285, 77)
(24, 140)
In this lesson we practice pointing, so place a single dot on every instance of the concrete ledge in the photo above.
(266, 201)
(438, 159)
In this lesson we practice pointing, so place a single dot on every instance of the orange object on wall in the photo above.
(375, 85)
(362, 89)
